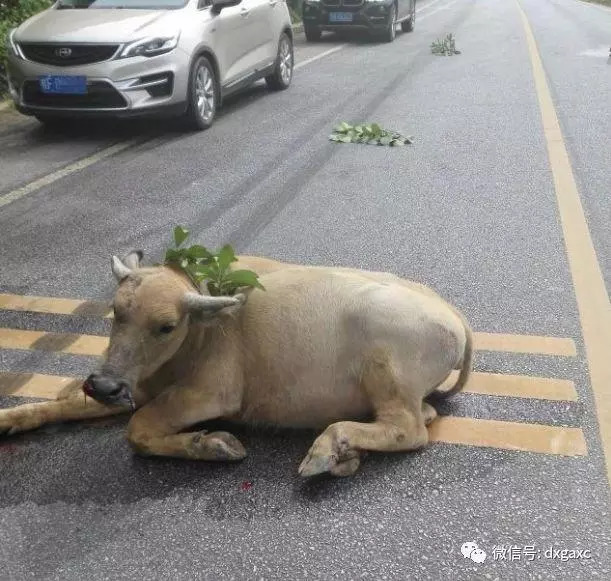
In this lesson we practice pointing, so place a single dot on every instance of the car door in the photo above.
(234, 32)
(263, 44)
(405, 8)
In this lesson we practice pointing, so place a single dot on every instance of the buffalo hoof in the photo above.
(221, 446)
(346, 465)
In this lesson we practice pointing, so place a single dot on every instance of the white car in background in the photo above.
(124, 58)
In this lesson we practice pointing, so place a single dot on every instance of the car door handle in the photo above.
(272, 3)
(244, 12)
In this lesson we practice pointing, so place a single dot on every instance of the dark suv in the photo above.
(379, 17)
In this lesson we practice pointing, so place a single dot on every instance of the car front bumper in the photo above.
(367, 16)
(131, 87)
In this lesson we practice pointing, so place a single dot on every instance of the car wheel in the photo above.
(283, 72)
(391, 30)
(312, 33)
(203, 95)
(408, 25)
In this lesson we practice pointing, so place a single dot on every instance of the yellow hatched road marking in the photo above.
(517, 386)
(43, 386)
(519, 436)
(35, 384)
(525, 344)
(95, 345)
(57, 342)
(58, 306)
(509, 436)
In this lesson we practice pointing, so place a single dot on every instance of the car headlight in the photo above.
(152, 46)
(11, 44)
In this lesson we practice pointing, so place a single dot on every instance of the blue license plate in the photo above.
(63, 85)
(340, 16)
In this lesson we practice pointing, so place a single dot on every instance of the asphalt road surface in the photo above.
(484, 207)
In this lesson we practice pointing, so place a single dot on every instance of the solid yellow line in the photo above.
(537, 438)
(525, 344)
(35, 384)
(517, 386)
(56, 342)
(590, 291)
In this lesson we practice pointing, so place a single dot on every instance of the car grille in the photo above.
(66, 55)
(331, 2)
(100, 95)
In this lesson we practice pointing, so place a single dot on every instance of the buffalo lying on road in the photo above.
(320, 347)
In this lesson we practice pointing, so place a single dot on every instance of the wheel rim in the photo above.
(204, 91)
(286, 61)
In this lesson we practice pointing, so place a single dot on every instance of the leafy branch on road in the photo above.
(369, 134)
(200, 265)
(445, 46)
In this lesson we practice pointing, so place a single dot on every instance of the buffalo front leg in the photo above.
(154, 429)
(34, 415)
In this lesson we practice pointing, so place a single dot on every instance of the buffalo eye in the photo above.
(166, 329)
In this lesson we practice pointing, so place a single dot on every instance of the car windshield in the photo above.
(126, 4)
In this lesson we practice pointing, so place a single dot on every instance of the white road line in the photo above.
(440, 9)
(319, 56)
(60, 173)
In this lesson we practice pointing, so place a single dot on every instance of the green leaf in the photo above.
(240, 278)
(225, 257)
(334, 137)
(198, 251)
(180, 235)
(345, 139)
(386, 140)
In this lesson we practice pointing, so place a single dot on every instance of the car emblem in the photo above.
(64, 52)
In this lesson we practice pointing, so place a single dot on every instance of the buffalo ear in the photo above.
(133, 259)
(119, 269)
(207, 307)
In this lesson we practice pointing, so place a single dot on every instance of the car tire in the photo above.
(202, 95)
(312, 33)
(281, 78)
(391, 30)
(408, 25)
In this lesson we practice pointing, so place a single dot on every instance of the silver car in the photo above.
(147, 57)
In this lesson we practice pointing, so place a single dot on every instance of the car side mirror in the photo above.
(218, 5)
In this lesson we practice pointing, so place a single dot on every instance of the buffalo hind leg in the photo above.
(399, 425)
(154, 430)
(30, 416)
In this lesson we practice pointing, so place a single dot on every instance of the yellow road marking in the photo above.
(509, 436)
(517, 386)
(38, 340)
(525, 344)
(449, 429)
(56, 342)
(57, 306)
(35, 384)
(590, 291)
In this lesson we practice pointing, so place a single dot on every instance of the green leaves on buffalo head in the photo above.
(211, 268)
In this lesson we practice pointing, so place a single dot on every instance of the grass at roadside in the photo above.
(603, 2)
